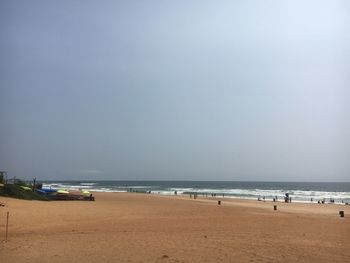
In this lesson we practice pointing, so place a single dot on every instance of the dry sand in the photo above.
(125, 227)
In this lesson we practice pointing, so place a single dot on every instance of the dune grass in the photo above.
(16, 191)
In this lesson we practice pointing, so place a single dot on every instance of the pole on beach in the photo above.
(34, 181)
(7, 224)
(219, 202)
(275, 207)
(341, 213)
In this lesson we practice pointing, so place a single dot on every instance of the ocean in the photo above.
(298, 191)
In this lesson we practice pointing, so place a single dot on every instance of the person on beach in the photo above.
(286, 198)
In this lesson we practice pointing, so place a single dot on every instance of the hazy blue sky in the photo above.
(201, 90)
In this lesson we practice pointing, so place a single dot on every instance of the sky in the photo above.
(175, 90)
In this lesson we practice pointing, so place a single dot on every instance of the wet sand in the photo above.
(127, 227)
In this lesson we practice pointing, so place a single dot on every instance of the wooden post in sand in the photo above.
(7, 224)
(275, 207)
(219, 202)
(341, 213)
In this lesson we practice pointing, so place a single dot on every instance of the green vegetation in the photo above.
(16, 191)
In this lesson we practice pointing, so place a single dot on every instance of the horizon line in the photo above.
(177, 180)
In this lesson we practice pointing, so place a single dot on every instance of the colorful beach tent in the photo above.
(61, 191)
(86, 193)
(26, 188)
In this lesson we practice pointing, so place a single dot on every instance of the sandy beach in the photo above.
(129, 227)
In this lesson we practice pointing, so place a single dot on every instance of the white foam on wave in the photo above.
(107, 190)
(141, 187)
(90, 184)
(297, 195)
(66, 186)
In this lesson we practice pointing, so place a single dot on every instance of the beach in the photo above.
(132, 227)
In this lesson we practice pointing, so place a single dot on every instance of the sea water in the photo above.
(298, 191)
